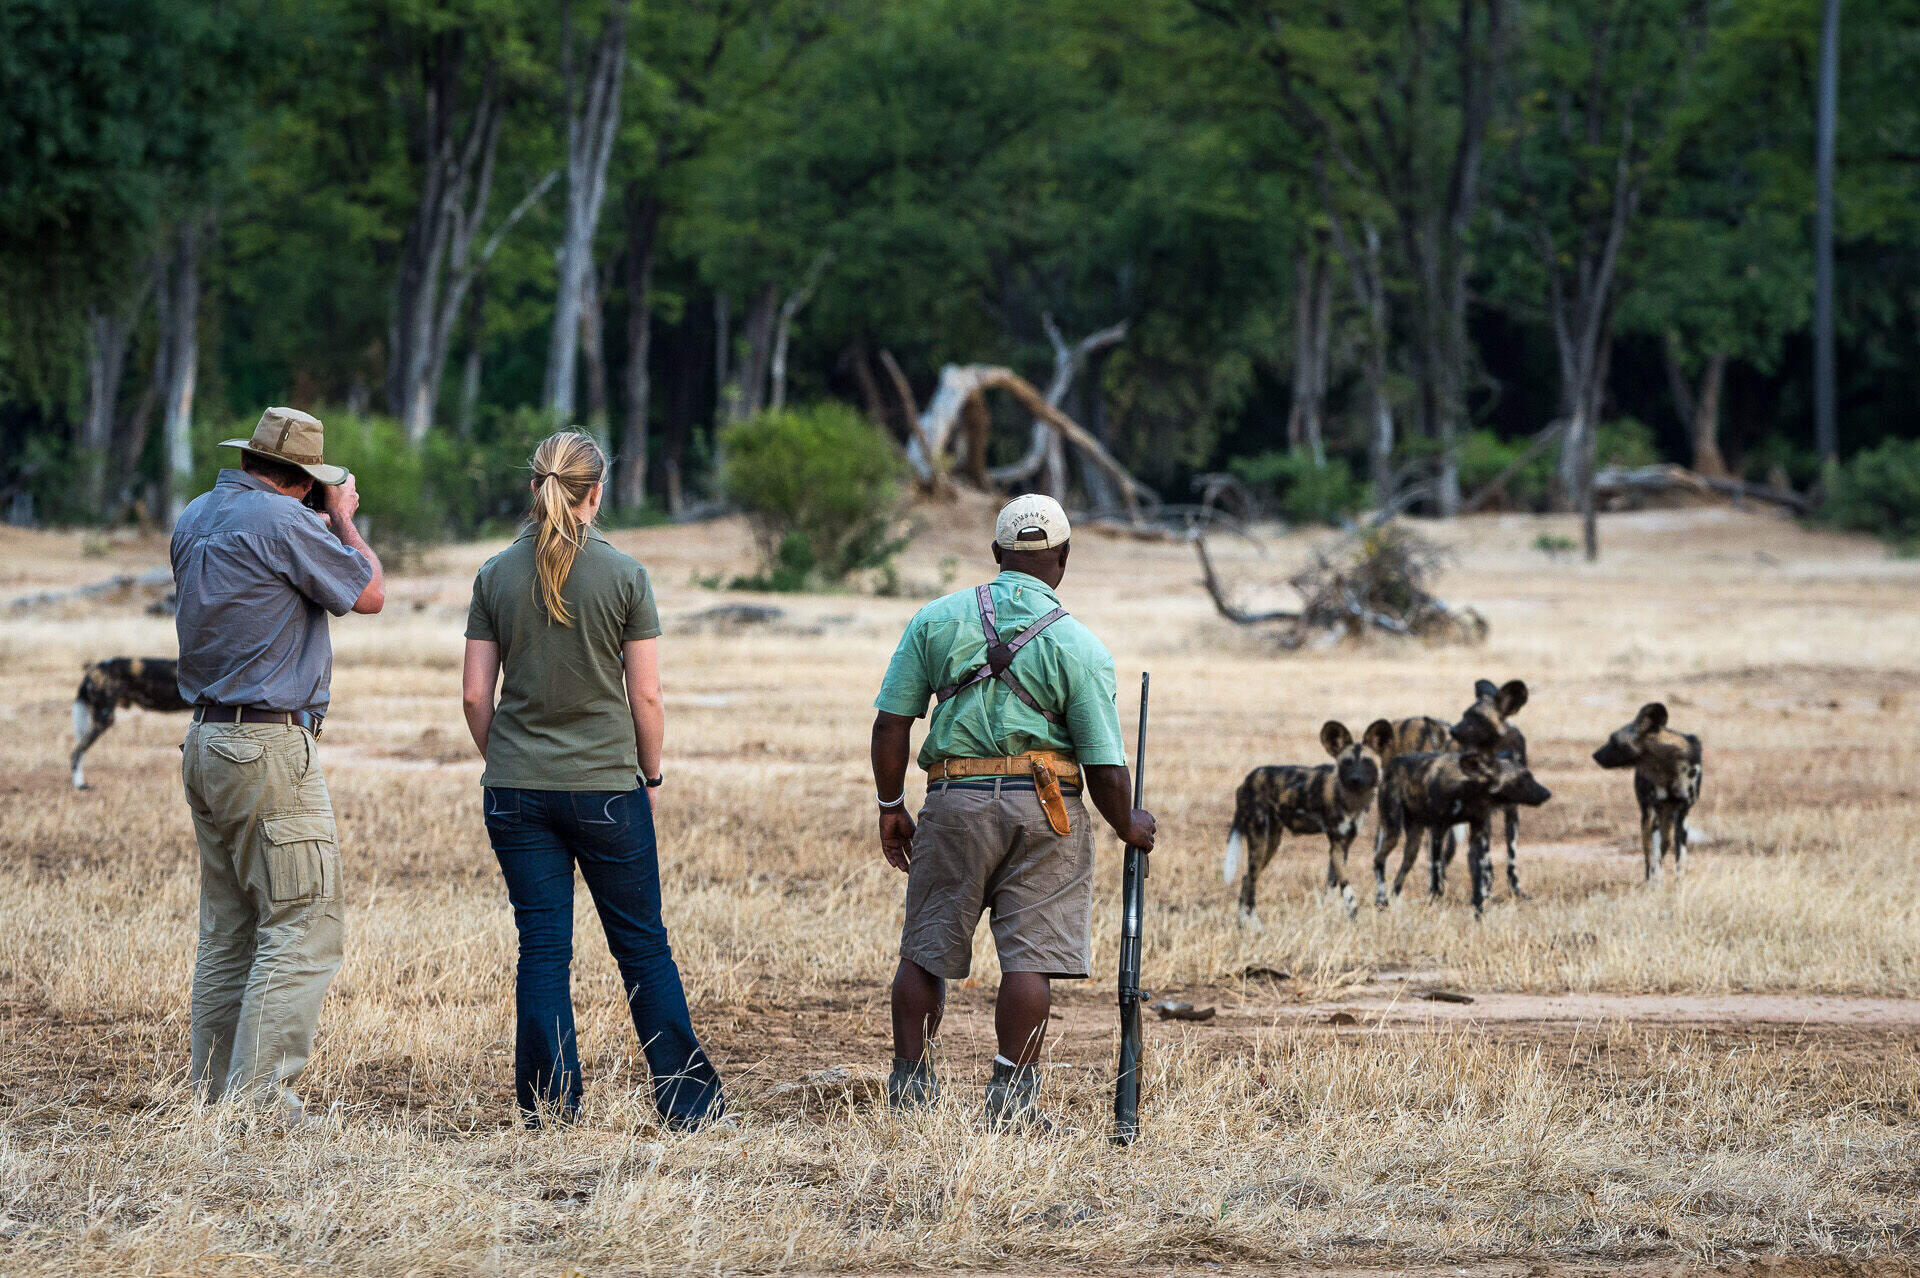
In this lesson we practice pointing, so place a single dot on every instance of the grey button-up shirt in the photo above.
(257, 573)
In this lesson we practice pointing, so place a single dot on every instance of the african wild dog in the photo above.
(1427, 793)
(1329, 799)
(1483, 725)
(1421, 734)
(1486, 725)
(1666, 781)
(105, 686)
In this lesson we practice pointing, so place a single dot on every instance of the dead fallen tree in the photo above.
(956, 417)
(113, 588)
(1668, 479)
(1045, 455)
(1376, 583)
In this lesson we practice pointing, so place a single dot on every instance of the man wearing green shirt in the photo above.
(1024, 719)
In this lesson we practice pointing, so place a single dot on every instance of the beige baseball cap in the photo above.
(289, 435)
(1031, 521)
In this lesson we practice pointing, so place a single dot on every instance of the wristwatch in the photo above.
(653, 783)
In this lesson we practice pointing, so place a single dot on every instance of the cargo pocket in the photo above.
(237, 749)
(302, 860)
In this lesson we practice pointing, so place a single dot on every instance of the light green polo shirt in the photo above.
(1065, 668)
(563, 722)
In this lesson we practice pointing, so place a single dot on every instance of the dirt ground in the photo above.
(1717, 1072)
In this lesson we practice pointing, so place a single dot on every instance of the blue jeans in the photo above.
(538, 835)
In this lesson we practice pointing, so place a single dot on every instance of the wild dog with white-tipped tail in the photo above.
(1666, 780)
(1328, 799)
(106, 686)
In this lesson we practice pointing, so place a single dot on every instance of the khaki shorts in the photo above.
(983, 844)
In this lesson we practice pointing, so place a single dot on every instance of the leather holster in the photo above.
(1046, 785)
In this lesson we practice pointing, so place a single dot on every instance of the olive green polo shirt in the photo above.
(1065, 668)
(563, 722)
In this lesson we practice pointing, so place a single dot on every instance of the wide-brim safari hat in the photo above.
(291, 436)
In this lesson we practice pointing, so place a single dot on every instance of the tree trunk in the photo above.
(439, 260)
(180, 322)
(130, 441)
(1707, 459)
(592, 121)
(783, 328)
(855, 358)
(456, 176)
(1368, 282)
(1826, 437)
(1705, 427)
(471, 366)
(1102, 494)
(1580, 301)
(977, 423)
(593, 358)
(682, 394)
(1053, 471)
(919, 442)
(643, 221)
(109, 333)
(747, 394)
(722, 351)
(468, 412)
(1319, 358)
(1312, 322)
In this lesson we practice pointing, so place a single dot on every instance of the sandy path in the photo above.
(1408, 1007)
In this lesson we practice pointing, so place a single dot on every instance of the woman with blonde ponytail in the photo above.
(564, 629)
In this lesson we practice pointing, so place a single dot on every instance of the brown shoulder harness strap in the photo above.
(1000, 656)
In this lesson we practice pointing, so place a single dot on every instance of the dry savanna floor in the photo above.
(1710, 1071)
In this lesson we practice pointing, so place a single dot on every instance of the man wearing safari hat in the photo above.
(1024, 719)
(257, 570)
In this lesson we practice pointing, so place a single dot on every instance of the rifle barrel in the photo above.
(1126, 1087)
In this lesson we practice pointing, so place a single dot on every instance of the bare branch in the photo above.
(1238, 616)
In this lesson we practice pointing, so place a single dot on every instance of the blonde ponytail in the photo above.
(566, 466)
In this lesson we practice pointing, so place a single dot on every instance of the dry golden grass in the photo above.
(1269, 1135)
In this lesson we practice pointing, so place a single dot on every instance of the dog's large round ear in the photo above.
(1485, 690)
(1652, 718)
(1512, 695)
(1334, 737)
(1378, 737)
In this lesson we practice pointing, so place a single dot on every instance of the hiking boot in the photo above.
(911, 1085)
(1011, 1100)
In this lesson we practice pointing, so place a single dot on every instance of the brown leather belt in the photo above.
(1046, 768)
(248, 714)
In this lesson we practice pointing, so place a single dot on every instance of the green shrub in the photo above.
(1778, 455)
(821, 487)
(51, 470)
(1304, 492)
(1625, 443)
(481, 482)
(1877, 490)
(1554, 545)
(1484, 457)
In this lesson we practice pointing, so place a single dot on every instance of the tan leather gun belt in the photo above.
(1046, 768)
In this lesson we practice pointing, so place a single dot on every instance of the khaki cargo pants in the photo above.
(270, 917)
(984, 845)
